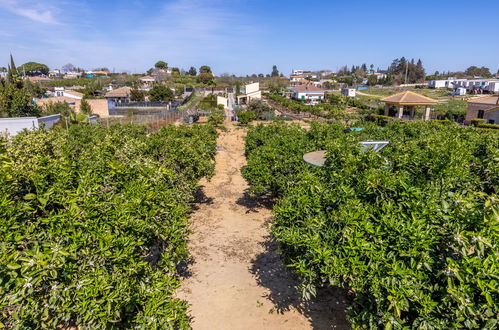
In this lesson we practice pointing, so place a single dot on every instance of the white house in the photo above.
(493, 87)
(350, 92)
(249, 92)
(308, 93)
(72, 75)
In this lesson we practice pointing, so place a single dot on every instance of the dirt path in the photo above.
(236, 280)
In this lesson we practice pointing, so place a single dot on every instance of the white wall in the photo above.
(299, 95)
(252, 88)
(14, 126)
(222, 100)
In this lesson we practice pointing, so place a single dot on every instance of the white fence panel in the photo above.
(14, 126)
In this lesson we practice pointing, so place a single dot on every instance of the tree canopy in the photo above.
(33, 69)
(160, 93)
(206, 78)
(161, 65)
(204, 69)
(68, 68)
(275, 72)
(478, 72)
(193, 71)
(404, 71)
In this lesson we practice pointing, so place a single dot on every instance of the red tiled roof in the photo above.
(408, 98)
(307, 88)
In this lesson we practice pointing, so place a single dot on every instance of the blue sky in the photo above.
(249, 36)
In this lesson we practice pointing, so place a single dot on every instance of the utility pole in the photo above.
(406, 70)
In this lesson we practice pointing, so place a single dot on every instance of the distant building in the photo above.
(350, 92)
(54, 73)
(460, 91)
(119, 95)
(97, 73)
(99, 106)
(158, 74)
(63, 92)
(309, 93)
(248, 93)
(72, 75)
(475, 85)
(146, 82)
(486, 107)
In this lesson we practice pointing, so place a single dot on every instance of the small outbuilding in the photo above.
(350, 92)
(408, 100)
(486, 108)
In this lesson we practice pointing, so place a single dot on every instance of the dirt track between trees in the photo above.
(236, 280)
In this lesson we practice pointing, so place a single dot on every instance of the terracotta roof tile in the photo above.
(119, 92)
(307, 88)
(491, 99)
(408, 98)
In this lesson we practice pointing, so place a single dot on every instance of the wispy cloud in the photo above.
(30, 10)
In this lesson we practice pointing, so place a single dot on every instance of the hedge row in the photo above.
(93, 225)
(411, 231)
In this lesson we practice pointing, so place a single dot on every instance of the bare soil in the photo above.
(236, 279)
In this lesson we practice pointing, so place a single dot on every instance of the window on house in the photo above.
(481, 113)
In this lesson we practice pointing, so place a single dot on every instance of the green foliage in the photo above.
(478, 72)
(246, 117)
(216, 118)
(15, 101)
(404, 71)
(275, 72)
(193, 71)
(206, 78)
(260, 108)
(61, 108)
(478, 121)
(492, 126)
(160, 93)
(453, 109)
(334, 111)
(208, 103)
(161, 65)
(411, 231)
(34, 69)
(204, 69)
(93, 225)
(137, 95)
(85, 107)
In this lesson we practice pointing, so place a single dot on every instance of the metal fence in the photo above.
(143, 105)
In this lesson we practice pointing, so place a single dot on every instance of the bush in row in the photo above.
(412, 231)
(93, 225)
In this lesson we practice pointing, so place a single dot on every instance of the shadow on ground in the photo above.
(252, 204)
(325, 311)
(200, 198)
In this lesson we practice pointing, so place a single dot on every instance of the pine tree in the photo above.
(13, 75)
(275, 72)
